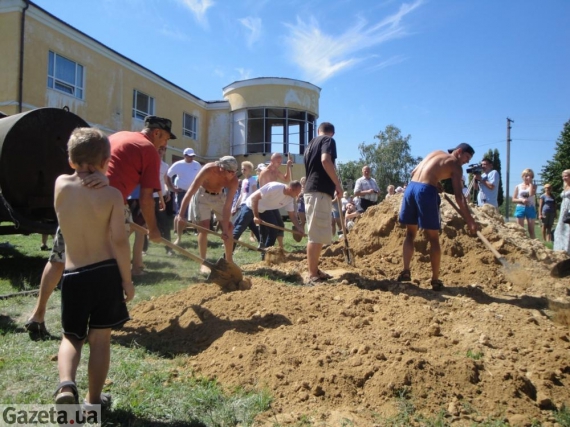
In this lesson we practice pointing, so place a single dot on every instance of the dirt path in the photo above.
(494, 343)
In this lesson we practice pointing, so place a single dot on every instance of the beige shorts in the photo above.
(318, 208)
(202, 205)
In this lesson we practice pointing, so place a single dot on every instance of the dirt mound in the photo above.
(487, 345)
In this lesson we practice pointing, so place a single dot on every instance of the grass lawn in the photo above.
(141, 383)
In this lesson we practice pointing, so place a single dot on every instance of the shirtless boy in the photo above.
(272, 174)
(205, 195)
(96, 282)
(420, 206)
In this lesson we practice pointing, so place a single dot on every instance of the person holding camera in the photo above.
(525, 198)
(367, 189)
(487, 182)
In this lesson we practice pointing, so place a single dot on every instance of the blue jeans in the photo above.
(245, 221)
(179, 196)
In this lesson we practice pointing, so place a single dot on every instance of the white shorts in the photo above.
(202, 205)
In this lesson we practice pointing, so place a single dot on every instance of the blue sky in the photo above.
(442, 71)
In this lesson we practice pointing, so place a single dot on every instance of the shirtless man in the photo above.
(420, 207)
(272, 174)
(205, 195)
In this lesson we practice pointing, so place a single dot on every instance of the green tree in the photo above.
(552, 172)
(390, 159)
(348, 173)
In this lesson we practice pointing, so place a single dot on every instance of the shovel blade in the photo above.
(561, 269)
(349, 257)
(225, 274)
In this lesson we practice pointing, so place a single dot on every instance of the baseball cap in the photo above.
(189, 152)
(260, 167)
(155, 122)
(228, 163)
(465, 147)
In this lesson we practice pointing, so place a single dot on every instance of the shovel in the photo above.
(297, 235)
(346, 251)
(207, 230)
(496, 253)
(223, 273)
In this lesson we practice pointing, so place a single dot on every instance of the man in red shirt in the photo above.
(134, 160)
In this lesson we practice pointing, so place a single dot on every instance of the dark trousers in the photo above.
(163, 222)
(269, 234)
(244, 221)
(365, 204)
(179, 196)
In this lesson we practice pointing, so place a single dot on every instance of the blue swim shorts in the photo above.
(528, 212)
(420, 206)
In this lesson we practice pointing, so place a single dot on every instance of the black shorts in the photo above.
(92, 296)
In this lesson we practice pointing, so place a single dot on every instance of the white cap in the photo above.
(189, 152)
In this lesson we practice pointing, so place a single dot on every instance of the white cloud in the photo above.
(174, 34)
(322, 55)
(199, 9)
(387, 63)
(254, 27)
(244, 74)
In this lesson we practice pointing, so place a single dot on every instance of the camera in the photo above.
(475, 168)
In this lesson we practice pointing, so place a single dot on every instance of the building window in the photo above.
(190, 126)
(65, 75)
(143, 105)
(273, 130)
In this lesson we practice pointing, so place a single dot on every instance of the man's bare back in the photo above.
(436, 167)
(86, 218)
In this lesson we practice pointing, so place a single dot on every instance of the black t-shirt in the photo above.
(317, 177)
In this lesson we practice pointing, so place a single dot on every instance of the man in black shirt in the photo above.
(320, 188)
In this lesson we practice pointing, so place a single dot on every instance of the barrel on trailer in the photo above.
(33, 153)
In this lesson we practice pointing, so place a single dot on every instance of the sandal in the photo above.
(66, 397)
(315, 280)
(404, 276)
(105, 403)
(436, 284)
(323, 275)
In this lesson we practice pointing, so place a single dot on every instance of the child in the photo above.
(96, 284)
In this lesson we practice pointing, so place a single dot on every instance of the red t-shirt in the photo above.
(134, 160)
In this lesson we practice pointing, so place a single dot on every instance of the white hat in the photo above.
(399, 190)
(189, 152)
(260, 167)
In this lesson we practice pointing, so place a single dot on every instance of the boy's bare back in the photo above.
(88, 218)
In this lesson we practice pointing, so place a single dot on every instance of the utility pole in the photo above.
(508, 195)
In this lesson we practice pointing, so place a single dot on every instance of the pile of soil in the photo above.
(493, 343)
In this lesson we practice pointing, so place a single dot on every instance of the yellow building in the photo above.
(48, 63)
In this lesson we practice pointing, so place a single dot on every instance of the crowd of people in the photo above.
(123, 179)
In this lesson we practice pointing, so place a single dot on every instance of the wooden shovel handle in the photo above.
(479, 234)
(207, 230)
(281, 228)
(171, 245)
